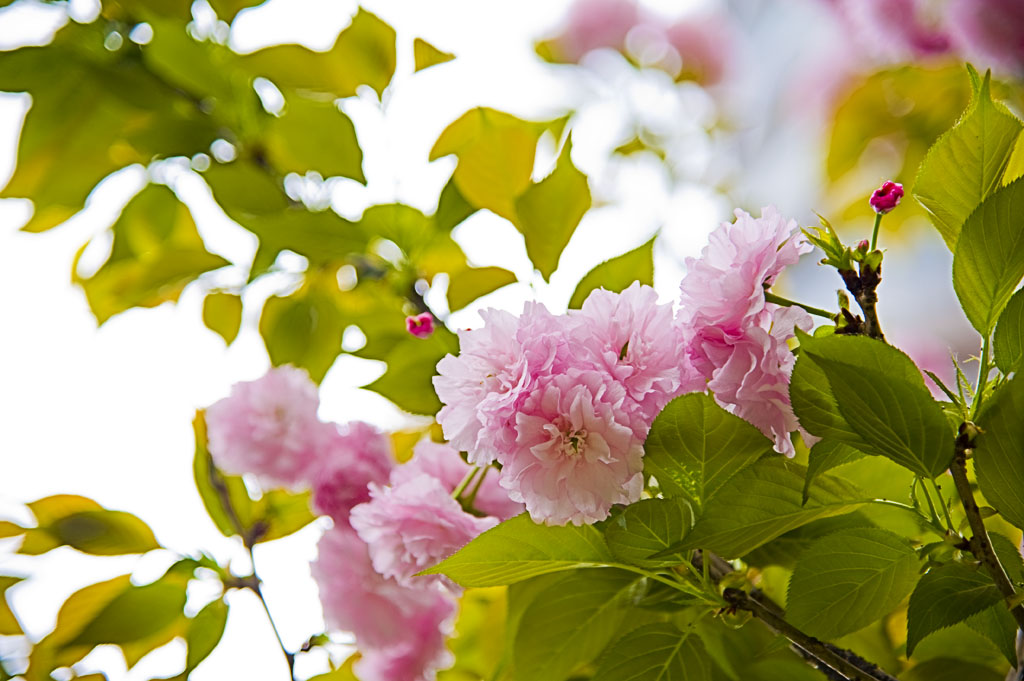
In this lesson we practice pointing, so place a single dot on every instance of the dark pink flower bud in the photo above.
(421, 325)
(863, 245)
(886, 197)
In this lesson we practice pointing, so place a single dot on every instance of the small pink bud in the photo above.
(421, 325)
(863, 245)
(886, 197)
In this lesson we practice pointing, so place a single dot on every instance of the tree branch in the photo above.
(863, 287)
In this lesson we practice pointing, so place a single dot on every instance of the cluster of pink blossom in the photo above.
(390, 521)
(564, 402)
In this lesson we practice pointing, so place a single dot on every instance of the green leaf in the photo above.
(997, 455)
(363, 54)
(304, 329)
(764, 501)
(333, 150)
(950, 669)
(519, 596)
(227, 9)
(947, 595)
(412, 362)
(323, 237)
(452, 207)
(617, 274)
(647, 527)
(882, 397)
(224, 496)
(815, 405)
(570, 622)
(135, 613)
(496, 153)
(204, 633)
(9, 529)
(9, 625)
(997, 625)
(518, 549)
(243, 189)
(1009, 556)
(104, 533)
(156, 252)
(467, 285)
(655, 652)
(988, 261)
(549, 211)
(695, 446)
(849, 579)
(426, 55)
(826, 455)
(281, 513)
(222, 314)
(1008, 340)
(1015, 166)
(965, 165)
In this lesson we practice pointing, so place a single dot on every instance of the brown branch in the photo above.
(863, 286)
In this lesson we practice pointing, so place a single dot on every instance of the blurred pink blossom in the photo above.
(421, 325)
(268, 427)
(895, 30)
(443, 462)
(631, 337)
(418, 653)
(577, 451)
(705, 44)
(414, 525)
(353, 456)
(594, 24)
(990, 32)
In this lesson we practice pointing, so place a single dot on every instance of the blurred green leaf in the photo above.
(847, 580)
(136, 10)
(1008, 340)
(412, 362)
(988, 262)
(204, 633)
(426, 55)
(135, 613)
(49, 510)
(332, 150)
(304, 328)
(363, 54)
(227, 9)
(9, 625)
(617, 274)
(246, 188)
(467, 285)
(322, 236)
(647, 527)
(997, 625)
(226, 500)
(966, 164)
(452, 207)
(655, 652)
(9, 529)
(282, 512)
(156, 252)
(104, 533)
(222, 314)
(947, 595)
(478, 643)
(695, 446)
(549, 211)
(496, 153)
(950, 669)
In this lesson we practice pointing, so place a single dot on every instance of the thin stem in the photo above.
(779, 300)
(830, 655)
(983, 372)
(457, 492)
(942, 386)
(678, 586)
(944, 505)
(933, 526)
(256, 589)
(874, 232)
(928, 498)
(476, 487)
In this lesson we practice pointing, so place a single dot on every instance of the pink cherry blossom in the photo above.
(989, 31)
(352, 456)
(631, 337)
(418, 653)
(705, 44)
(482, 387)
(725, 286)
(593, 24)
(357, 598)
(886, 197)
(894, 30)
(577, 451)
(268, 427)
(443, 462)
(414, 525)
(750, 375)
(421, 325)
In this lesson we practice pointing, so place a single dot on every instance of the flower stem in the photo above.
(779, 300)
(983, 372)
(256, 589)
(457, 492)
(874, 232)
(944, 505)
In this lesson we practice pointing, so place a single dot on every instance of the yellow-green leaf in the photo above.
(617, 274)
(222, 314)
(467, 285)
(426, 55)
(9, 625)
(314, 135)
